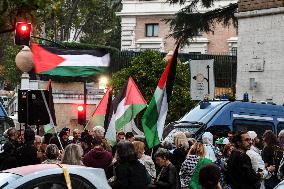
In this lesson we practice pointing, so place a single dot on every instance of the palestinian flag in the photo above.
(154, 117)
(126, 105)
(69, 62)
(98, 117)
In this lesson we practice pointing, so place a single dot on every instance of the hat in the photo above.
(222, 140)
(252, 134)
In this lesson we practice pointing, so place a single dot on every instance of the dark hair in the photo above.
(237, 139)
(66, 129)
(29, 135)
(46, 138)
(129, 135)
(97, 141)
(88, 139)
(84, 133)
(125, 152)
(163, 153)
(269, 138)
(62, 133)
(209, 176)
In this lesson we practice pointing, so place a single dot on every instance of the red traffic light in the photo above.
(80, 108)
(24, 27)
(23, 33)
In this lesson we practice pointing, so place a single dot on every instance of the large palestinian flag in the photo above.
(98, 117)
(69, 62)
(154, 117)
(126, 105)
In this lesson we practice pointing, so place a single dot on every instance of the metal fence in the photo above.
(225, 67)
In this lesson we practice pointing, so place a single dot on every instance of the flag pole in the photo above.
(49, 114)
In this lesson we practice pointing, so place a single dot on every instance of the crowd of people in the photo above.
(241, 160)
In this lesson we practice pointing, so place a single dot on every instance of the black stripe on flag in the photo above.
(59, 51)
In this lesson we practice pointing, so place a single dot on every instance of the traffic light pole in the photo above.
(85, 102)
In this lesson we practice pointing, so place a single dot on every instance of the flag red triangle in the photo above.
(102, 106)
(133, 95)
(43, 59)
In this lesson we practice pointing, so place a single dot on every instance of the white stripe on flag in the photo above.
(85, 60)
(162, 108)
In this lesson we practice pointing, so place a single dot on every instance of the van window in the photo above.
(280, 126)
(252, 125)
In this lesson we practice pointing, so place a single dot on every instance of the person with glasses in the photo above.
(240, 174)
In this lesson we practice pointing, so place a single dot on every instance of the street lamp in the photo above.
(24, 62)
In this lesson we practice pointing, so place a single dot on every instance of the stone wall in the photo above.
(260, 54)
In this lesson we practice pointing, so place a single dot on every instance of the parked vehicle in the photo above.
(51, 176)
(219, 117)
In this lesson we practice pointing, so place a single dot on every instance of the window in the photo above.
(249, 125)
(152, 30)
(280, 127)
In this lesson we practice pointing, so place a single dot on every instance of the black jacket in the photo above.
(167, 178)
(27, 154)
(130, 175)
(240, 174)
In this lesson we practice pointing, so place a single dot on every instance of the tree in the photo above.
(188, 22)
(146, 70)
(10, 72)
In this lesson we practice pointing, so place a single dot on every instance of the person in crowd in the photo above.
(144, 159)
(52, 154)
(221, 142)
(98, 157)
(281, 139)
(209, 177)
(191, 166)
(63, 136)
(27, 154)
(120, 136)
(167, 145)
(76, 136)
(240, 174)
(12, 135)
(167, 176)
(72, 155)
(129, 172)
(87, 143)
(230, 136)
(271, 155)
(99, 132)
(179, 153)
(228, 148)
(7, 158)
(256, 160)
(40, 148)
(46, 138)
(129, 136)
(210, 150)
(21, 137)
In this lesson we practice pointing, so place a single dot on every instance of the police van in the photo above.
(222, 116)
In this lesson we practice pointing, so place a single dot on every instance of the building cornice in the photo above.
(257, 13)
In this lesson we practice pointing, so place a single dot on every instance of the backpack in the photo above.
(194, 183)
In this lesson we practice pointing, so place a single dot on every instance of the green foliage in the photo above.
(146, 71)
(188, 22)
(10, 71)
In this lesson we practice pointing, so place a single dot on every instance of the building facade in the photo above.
(260, 50)
(143, 27)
